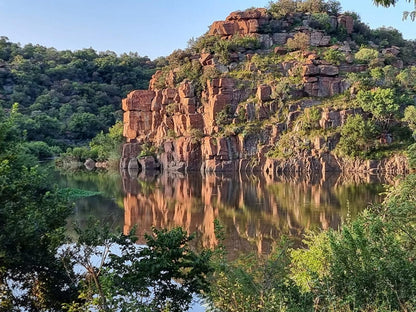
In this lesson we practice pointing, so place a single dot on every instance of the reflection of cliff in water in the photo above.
(255, 211)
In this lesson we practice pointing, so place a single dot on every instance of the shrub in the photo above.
(384, 104)
(410, 118)
(356, 137)
(42, 150)
(282, 8)
(334, 56)
(196, 135)
(178, 58)
(321, 21)
(388, 35)
(80, 153)
(190, 70)
(300, 41)
(407, 77)
(365, 55)
(221, 118)
(172, 108)
(312, 6)
(161, 76)
(148, 150)
(411, 155)
(333, 7)
(311, 118)
(107, 146)
(291, 144)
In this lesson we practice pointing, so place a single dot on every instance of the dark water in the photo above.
(254, 210)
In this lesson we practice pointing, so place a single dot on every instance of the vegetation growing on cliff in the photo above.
(282, 66)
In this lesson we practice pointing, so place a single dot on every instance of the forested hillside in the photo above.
(67, 96)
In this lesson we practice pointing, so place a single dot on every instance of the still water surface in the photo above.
(255, 210)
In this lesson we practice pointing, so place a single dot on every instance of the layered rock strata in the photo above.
(232, 124)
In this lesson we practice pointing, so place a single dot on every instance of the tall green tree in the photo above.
(356, 136)
(163, 275)
(32, 221)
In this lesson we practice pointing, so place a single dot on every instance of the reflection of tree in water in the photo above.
(255, 211)
(105, 206)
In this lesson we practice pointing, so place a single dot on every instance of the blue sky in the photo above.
(149, 27)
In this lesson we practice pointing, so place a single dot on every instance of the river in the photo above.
(255, 210)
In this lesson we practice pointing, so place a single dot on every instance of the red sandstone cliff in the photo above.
(185, 125)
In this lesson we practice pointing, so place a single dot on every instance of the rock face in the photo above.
(240, 23)
(228, 123)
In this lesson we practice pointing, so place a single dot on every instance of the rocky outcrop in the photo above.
(259, 23)
(327, 162)
(188, 138)
(347, 22)
(227, 123)
(240, 23)
(322, 79)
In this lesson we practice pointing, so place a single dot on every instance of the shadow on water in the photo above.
(106, 206)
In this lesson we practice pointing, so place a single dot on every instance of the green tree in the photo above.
(107, 146)
(410, 118)
(383, 104)
(32, 225)
(365, 55)
(164, 274)
(282, 8)
(300, 41)
(411, 155)
(255, 282)
(407, 77)
(356, 136)
(84, 125)
(58, 84)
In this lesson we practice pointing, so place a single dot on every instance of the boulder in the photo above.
(186, 90)
(328, 70)
(318, 39)
(310, 70)
(280, 50)
(394, 51)
(148, 163)
(223, 28)
(264, 92)
(347, 22)
(256, 13)
(311, 88)
(89, 164)
(206, 59)
(240, 23)
(280, 38)
(138, 100)
(329, 86)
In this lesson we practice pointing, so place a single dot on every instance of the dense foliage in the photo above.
(67, 96)
(32, 220)
(367, 265)
(40, 264)
(118, 275)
